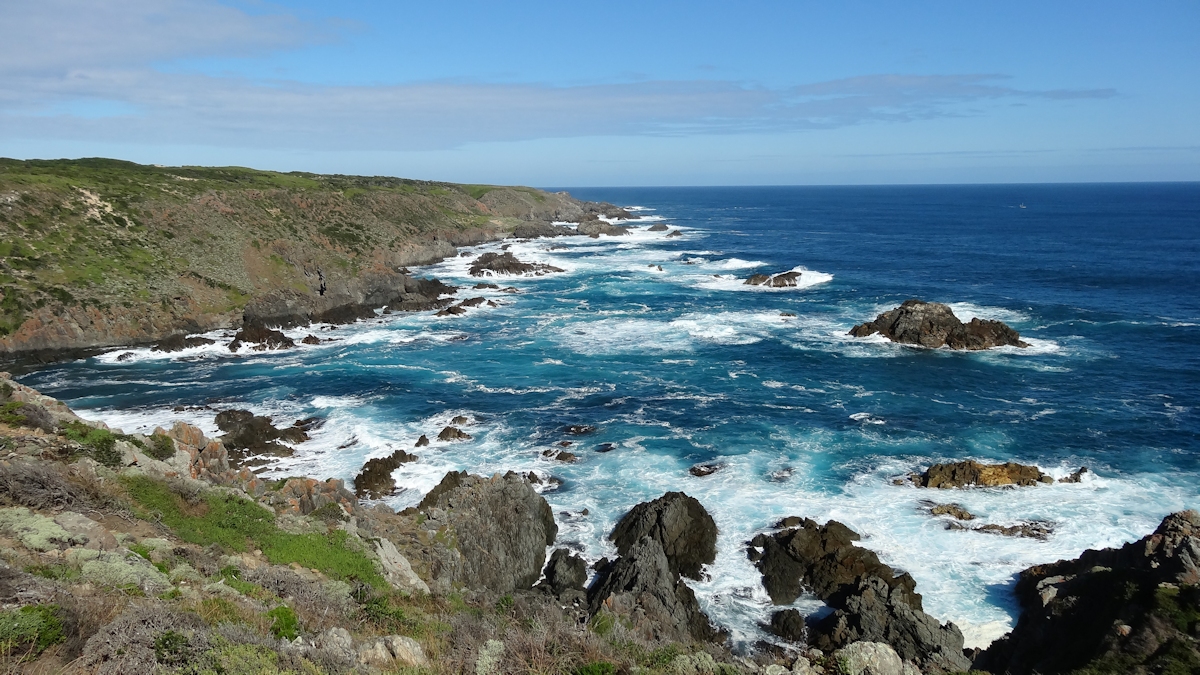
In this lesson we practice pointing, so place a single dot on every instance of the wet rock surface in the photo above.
(247, 434)
(933, 324)
(1133, 609)
(451, 434)
(974, 474)
(871, 602)
(375, 480)
(780, 280)
(261, 338)
(564, 573)
(507, 264)
(180, 342)
(684, 530)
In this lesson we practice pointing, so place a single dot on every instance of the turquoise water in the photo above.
(685, 365)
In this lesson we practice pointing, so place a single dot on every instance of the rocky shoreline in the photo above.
(129, 552)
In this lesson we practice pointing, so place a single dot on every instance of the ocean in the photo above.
(656, 342)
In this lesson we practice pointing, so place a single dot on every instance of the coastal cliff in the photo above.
(97, 253)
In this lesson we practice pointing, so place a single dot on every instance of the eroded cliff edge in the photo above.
(97, 253)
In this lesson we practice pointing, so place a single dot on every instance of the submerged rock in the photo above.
(953, 510)
(702, 470)
(507, 263)
(972, 473)
(682, 527)
(1128, 609)
(1075, 477)
(932, 324)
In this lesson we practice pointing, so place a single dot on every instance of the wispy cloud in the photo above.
(87, 71)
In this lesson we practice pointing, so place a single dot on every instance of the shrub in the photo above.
(597, 668)
(162, 447)
(172, 649)
(284, 623)
(101, 443)
(31, 630)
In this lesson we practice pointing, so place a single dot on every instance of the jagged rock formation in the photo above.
(596, 227)
(256, 435)
(932, 324)
(565, 574)
(346, 301)
(871, 602)
(262, 338)
(780, 280)
(684, 530)
(1134, 610)
(496, 530)
(971, 473)
(180, 342)
(375, 480)
(490, 264)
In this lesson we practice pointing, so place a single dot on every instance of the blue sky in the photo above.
(613, 93)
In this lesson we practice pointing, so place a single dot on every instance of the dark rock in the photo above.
(579, 429)
(781, 280)
(932, 324)
(125, 356)
(675, 233)
(954, 510)
(642, 588)
(422, 441)
(1117, 610)
(1075, 477)
(481, 286)
(180, 342)
(536, 230)
(459, 419)
(565, 572)
(309, 423)
(472, 302)
(498, 529)
(262, 338)
(701, 470)
(685, 531)
(454, 310)
(789, 625)
(565, 444)
(870, 600)
(606, 447)
(972, 473)
(375, 480)
(507, 263)
(657, 227)
(1031, 530)
(510, 289)
(597, 227)
(255, 435)
(453, 434)
(311, 340)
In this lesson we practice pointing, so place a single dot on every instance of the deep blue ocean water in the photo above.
(686, 365)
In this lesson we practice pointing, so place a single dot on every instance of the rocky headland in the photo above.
(933, 325)
(98, 253)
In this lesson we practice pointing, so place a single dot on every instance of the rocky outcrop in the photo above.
(955, 511)
(461, 308)
(375, 480)
(597, 227)
(973, 474)
(180, 342)
(347, 301)
(680, 525)
(491, 264)
(932, 324)
(870, 600)
(780, 280)
(451, 434)
(566, 573)
(256, 435)
(495, 532)
(262, 339)
(657, 227)
(536, 230)
(1134, 609)
(641, 588)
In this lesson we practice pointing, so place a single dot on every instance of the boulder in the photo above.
(396, 568)
(657, 227)
(1075, 477)
(506, 263)
(495, 530)
(972, 473)
(1132, 608)
(641, 588)
(932, 324)
(702, 470)
(375, 480)
(684, 530)
(262, 338)
(675, 233)
(422, 441)
(256, 435)
(579, 429)
(953, 510)
(536, 230)
(870, 658)
(594, 227)
(450, 434)
(565, 572)
(780, 280)
(311, 340)
(789, 625)
(180, 342)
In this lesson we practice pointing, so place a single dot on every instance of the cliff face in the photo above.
(99, 252)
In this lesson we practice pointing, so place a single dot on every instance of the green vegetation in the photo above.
(597, 668)
(237, 524)
(161, 447)
(284, 623)
(101, 443)
(9, 414)
(29, 631)
(1180, 606)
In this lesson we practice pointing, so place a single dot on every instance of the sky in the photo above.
(615, 93)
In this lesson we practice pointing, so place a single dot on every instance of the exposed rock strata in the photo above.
(932, 324)
(1134, 609)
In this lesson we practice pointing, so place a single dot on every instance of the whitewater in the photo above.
(658, 343)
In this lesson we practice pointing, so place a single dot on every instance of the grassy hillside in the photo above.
(100, 251)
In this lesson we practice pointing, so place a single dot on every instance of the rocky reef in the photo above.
(933, 325)
(492, 264)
